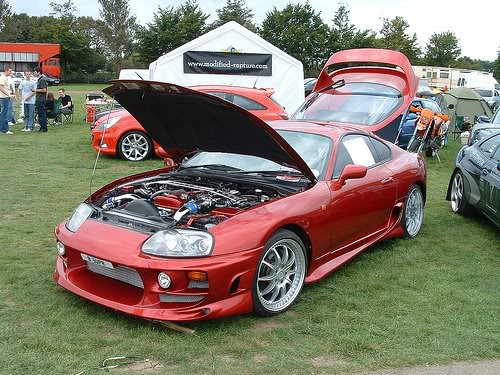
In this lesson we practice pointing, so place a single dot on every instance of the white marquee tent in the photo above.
(286, 75)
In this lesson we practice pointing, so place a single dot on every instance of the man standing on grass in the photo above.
(41, 97)
(26, 87)
(5, 97)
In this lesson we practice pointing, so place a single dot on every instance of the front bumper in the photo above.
(109, 143)
(228, 291)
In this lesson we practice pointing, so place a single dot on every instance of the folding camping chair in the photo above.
(459, 127)
(55, 113)
(67, 118)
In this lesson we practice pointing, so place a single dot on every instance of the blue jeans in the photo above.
(11, 116)
(42, 115)
(4, 114)
(29, 115)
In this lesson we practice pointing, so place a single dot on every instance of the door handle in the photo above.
(485, 172)
(387, 180)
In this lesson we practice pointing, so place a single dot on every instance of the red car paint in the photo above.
(270, 110)
(357, 65)
(336, 224)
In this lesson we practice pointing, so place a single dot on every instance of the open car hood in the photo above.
(182, 120)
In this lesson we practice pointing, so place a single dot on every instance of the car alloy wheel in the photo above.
(413, 214)
(459, 204)
(280, 274)
(135, 146)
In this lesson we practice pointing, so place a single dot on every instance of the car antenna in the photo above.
(139, 76)
(255, 83)
(100, 145)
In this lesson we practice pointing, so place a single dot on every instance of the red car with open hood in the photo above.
(252, 212)
(120, 134)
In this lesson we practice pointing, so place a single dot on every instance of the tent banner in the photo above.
(248, 64)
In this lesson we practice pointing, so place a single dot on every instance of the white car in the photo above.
(17, 77)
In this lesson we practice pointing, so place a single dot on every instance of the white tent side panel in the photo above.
(287, 72)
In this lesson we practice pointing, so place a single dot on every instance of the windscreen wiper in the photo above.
(334, 85)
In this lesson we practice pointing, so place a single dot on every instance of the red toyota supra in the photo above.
(249, 214)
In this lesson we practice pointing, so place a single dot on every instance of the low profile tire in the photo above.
(135, 146)
(280, 273)
(413, 212)
(459, 204)
(413, 146)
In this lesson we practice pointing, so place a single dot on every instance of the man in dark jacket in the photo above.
(41, 97)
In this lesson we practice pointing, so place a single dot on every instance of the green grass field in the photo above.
(434, 299)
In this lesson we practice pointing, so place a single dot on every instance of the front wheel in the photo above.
(135, 146)
(280, 273)
(413, 212)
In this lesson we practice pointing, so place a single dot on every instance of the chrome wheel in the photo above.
(457, 192)
(135, 146)
(414, 211)
(280, 275)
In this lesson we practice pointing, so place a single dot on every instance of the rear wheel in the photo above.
(413, 212)
(459, 204)
(280, 273)
(135, 146)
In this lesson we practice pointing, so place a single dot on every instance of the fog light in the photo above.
(103, 145)
(61, 250)
(164, 280)
(197, 276)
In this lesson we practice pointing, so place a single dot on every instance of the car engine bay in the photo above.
(165, 201)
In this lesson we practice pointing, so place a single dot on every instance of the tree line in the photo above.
(116, 40)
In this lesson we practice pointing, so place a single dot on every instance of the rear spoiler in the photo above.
(371, 56)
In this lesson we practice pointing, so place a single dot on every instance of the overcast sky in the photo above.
(475, 23)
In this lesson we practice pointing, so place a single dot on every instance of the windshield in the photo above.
(496, 117)
(354, 103)
(484, 93)
(313, 148)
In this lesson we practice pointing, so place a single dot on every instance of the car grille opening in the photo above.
(198, 285)
(171, 298)
(120, 273)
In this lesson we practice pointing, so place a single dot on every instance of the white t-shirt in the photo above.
(5, 83)
(26, 87)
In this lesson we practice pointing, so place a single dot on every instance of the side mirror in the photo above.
(167, 160)
(350, 172)
(483, 119)
(451, 106)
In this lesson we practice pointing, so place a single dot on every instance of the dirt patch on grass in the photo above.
(323, 361)
(142, 367)
(267, 325)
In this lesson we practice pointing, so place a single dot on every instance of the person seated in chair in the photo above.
(49, 105)
(66, 104)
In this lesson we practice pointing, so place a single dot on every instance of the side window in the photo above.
(246, 103)
(354, 149)
(383, 151)
(434, 107)
(488, 147)
(219, 94)
(496, 156)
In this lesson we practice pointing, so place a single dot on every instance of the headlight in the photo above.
(108, 123)
(179, 243)
(81, 214)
